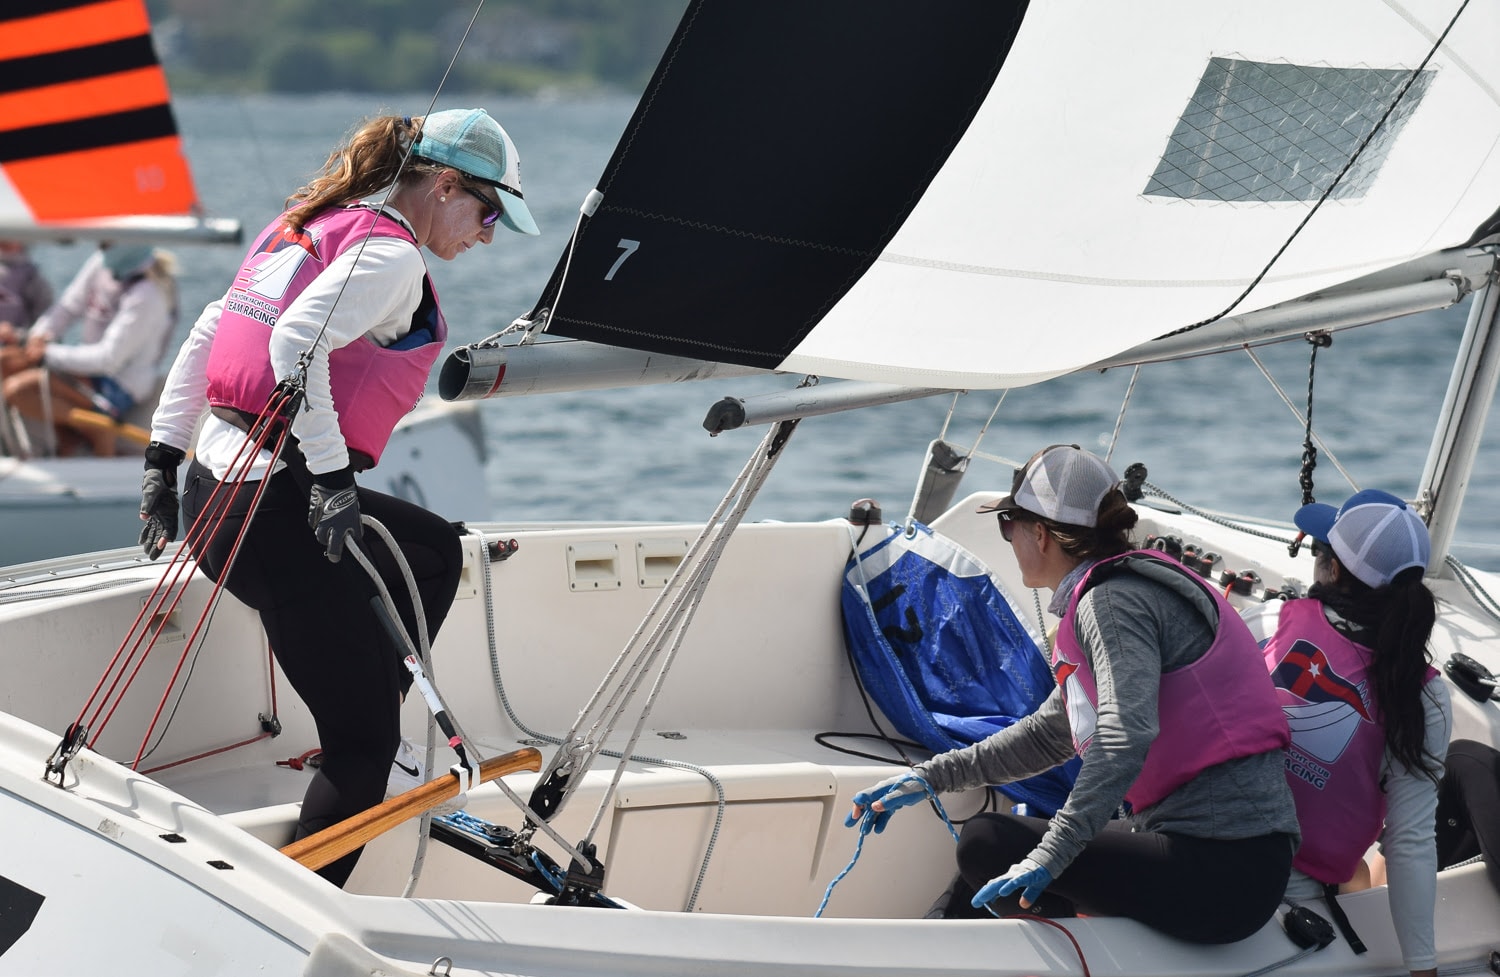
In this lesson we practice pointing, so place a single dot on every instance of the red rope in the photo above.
(200, 756)
(212, 599)
(1031, 917)
(170, 589)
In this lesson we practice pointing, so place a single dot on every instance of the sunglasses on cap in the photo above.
(1316, 546)
(494, 210)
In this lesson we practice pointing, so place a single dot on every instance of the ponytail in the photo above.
(1395, 621)
(1109, 537)
(368, 161)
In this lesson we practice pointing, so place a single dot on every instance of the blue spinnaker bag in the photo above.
(944, 653)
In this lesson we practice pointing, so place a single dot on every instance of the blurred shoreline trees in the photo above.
(512, 47)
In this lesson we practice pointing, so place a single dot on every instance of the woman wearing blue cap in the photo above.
(1370, 717)
(125, 295)
(335, 290)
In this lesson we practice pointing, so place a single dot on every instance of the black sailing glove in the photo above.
(159, 497)
(333, 511)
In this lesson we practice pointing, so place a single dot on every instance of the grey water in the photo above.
(1213, 432)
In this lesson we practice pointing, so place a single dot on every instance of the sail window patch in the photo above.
(1260, 132)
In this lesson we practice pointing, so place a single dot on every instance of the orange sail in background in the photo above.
(86, 125)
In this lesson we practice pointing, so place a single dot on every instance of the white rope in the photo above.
(423, 653)
(655, 642)
(536, 736)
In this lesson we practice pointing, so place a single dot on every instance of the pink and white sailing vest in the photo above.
(1215, 709)
(1338, 745)
(373, 386)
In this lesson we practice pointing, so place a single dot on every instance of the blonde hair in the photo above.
(367, 161)
(163, 270)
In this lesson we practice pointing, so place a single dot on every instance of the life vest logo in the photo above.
(1083, 717)
(281, 254)
(1331, 707)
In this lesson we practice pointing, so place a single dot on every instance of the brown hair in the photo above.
(367, 161)
(1110, 537)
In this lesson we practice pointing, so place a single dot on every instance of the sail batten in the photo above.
(1116, 173)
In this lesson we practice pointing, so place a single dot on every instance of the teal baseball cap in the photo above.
(472, 142)
(125, 260)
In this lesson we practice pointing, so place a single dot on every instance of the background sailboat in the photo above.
(89, 147)
(90, 151)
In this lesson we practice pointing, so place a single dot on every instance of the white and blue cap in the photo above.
(1375, 534)
(475, 144)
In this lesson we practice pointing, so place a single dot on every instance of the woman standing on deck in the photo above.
(340, 281)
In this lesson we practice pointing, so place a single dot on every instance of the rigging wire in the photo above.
(1310, 450)
(306, 356)
(696, 569)
(668, 620)
(1301, 419)
(1328, 192)
(1114, 437)
(984, 428)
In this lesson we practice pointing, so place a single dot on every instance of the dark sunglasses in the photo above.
(1318, 549)
(494, 209)
(1008, 519)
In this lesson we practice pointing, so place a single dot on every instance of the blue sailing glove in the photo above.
(897, 792)
(333, 511)
(1026, 875)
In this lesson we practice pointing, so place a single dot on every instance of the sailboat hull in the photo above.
(759, 676)
(51, 507)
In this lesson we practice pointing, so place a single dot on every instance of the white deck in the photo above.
(761, 673)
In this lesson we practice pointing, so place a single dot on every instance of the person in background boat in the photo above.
(1370, 716)
(25, 292)
(126, 297)
(339, 274)
(1143, 656)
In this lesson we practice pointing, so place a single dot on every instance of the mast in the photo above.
(1460, 427)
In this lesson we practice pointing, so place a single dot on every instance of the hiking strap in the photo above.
(1331, 893)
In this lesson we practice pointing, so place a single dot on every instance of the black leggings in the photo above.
(1468, 812)
(321, 627)
(1171, 882)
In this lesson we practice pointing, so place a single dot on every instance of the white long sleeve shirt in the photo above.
(370, 292)
(124, 330)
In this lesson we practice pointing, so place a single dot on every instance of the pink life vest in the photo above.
(373, 386)
(1215, 709)
(1338, 745)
